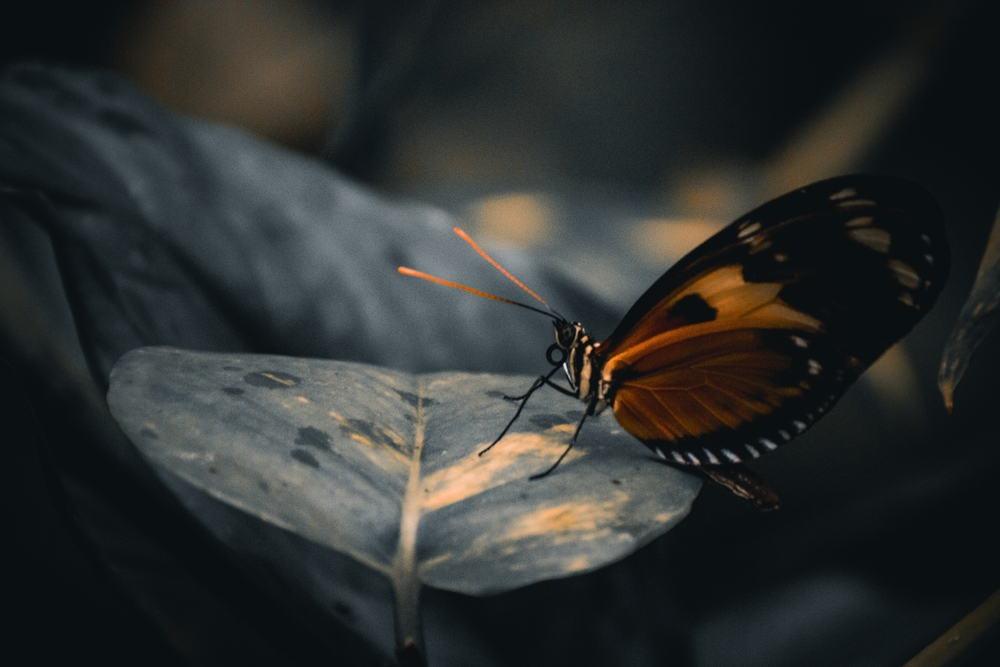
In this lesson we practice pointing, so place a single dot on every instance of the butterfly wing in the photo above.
(757, 332)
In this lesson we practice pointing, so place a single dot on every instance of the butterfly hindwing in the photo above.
(729, 395)
(749, 338)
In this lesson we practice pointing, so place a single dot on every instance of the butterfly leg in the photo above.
(539, 382)
(542, 379)
(572, 441)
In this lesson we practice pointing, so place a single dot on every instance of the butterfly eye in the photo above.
(566, 334)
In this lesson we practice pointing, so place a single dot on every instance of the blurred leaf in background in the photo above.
(978, 318)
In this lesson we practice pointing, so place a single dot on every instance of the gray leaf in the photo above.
(384, 466)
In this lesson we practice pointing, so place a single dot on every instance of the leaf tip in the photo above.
(946, 386)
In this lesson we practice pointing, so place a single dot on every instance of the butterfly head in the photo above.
(574, 351)
(568, 334)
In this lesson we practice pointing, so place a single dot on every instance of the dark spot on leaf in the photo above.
(122, 123)
(302, 456)
(271, 380)
(367, 430)
(547, 421)
(149, 433)
(274, 232)
(396, 256)
(35, 79)
(212, 470)
(342, 608)
(264, 486)
(232, 391)
(108, 86)
(71, 101)
(231, 368)
(692, 309)
(616, 482)
(414, 400)
(493, 393)
(313, 437)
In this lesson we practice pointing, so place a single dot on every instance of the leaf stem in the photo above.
(409, 629)
(955, 646)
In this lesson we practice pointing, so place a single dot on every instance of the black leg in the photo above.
(572, 442)
(542, 379)
(561, 390)
(535, 386)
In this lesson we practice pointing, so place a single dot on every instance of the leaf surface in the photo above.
(384, 466)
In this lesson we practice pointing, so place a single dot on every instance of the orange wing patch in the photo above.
(701, 384)
(724, 295)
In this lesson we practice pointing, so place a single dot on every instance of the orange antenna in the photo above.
(406, 271)
(468, 239)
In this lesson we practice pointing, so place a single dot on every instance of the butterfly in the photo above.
(750, 338)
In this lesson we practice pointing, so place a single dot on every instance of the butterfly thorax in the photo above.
(582, 365)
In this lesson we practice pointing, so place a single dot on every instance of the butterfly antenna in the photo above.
(468, 239)
(406, 271)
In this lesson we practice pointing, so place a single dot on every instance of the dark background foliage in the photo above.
(883, 527)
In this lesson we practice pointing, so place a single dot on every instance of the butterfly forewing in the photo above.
(748, 339)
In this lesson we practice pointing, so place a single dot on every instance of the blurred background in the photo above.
(614, 136)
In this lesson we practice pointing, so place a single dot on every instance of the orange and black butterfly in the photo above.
(746, 341)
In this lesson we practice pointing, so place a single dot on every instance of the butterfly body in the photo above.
(746, 341)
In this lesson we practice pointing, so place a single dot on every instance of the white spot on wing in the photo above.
(800, 341)
(814, 367)
(844, 194)
(677, 457)
(926, 239)
(780, 257)
(784, 434)
(694, 459)
(872, 237)
(746, 229)
(930, 259)
(659, 452)
(799, 426)
(852, 203)
(769, 445)
(750, 448)
(905, 274)
(729, 455)
(861, 221)
(711, 457)
(907, 298)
